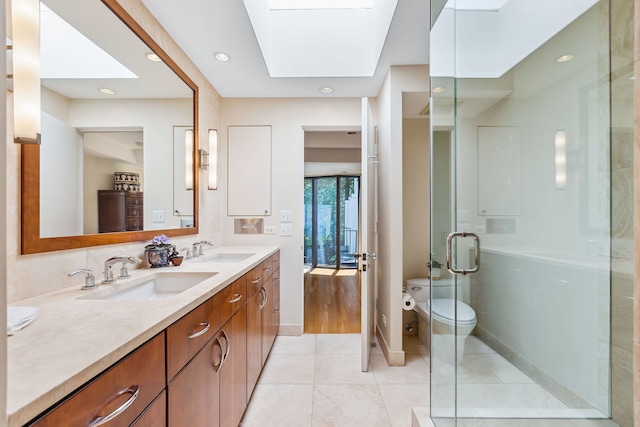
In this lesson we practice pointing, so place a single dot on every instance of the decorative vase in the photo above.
(159, 256)
(435, 273)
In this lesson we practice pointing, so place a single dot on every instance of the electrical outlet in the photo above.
(158, 216)
(269, 229)
(384, 320)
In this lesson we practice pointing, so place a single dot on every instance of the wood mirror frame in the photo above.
(31, 242)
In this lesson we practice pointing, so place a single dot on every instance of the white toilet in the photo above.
(440, 311)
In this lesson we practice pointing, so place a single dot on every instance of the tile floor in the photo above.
(315, 380)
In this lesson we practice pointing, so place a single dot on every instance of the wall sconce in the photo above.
(213, 160)
(561, 160)
(26, 71)
(188, 157)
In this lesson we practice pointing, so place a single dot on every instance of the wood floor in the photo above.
(332, 301)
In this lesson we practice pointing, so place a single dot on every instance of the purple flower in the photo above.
(160, 239)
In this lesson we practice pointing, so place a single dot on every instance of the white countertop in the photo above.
(72, 340)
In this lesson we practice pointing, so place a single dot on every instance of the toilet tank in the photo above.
(443, 288)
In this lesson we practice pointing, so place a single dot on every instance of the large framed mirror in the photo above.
(115, 107)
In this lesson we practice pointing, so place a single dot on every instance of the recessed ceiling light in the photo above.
(221, 56)
(153, 57)
(438, 89)
(326, 89)
(565, 58)
(107, 91)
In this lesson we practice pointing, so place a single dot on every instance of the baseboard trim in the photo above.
(394, 358)
(290, 330)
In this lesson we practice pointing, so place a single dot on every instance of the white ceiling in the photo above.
(204, 27)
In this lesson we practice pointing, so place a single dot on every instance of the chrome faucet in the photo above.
(188, 253)
(124, 272)
(197, 247)
(89, 280)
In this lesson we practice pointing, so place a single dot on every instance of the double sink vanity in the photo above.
(174, 346)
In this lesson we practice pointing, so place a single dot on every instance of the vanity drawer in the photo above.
(189, 334)
(231, 298)
(139, 374)
(255, 279)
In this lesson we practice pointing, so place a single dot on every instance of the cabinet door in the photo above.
(249, 171)
(233, 374)
(254, 340)
(268, 320)
(194, 394)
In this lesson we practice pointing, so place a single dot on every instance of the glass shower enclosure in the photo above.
(521, 131)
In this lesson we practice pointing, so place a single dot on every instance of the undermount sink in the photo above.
(225, 257)
(150, 288)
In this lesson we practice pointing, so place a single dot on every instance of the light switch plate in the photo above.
(285, 216)
(285, 229)
(158, 216)
(269, 229)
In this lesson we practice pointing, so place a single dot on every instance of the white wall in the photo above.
(156, 117)
(4, 181)
(288, 118)
(413, 78)
(415, 197)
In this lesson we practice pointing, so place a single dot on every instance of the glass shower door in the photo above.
(520, 143)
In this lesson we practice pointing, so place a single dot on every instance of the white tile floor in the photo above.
(315, 380)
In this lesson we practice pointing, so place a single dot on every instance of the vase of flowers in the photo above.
(159, 251)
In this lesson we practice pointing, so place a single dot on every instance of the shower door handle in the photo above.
(476, 253)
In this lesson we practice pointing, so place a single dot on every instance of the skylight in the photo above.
(321, 38)
(65, 53)
(319, 4)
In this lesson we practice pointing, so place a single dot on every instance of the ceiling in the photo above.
(204, 27)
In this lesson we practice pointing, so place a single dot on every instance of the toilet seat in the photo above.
(442, 309)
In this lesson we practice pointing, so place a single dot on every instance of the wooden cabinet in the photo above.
(155, 415)
(254, 340)
(202, 377)
(120, 211)
(233, 373)
(194, 394)
(189, 334)
(126, 389)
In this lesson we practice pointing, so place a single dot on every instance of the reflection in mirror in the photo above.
(107, 107)
(182, 176)
(110, 100)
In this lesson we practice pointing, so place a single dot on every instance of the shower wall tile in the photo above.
(622, 311)
(622, 52)
(622, 386)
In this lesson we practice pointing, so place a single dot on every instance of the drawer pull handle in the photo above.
(227, 349)
(219, 364)
(257, 280)
(237, 297)
(267, 269)
(133, 390)
(201, 331)
(263, 297)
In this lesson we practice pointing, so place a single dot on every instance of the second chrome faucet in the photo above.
(124, 272)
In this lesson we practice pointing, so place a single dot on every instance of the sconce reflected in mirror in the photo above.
(26, 71)
(188, 143)
(212, 173)
(561, 159)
